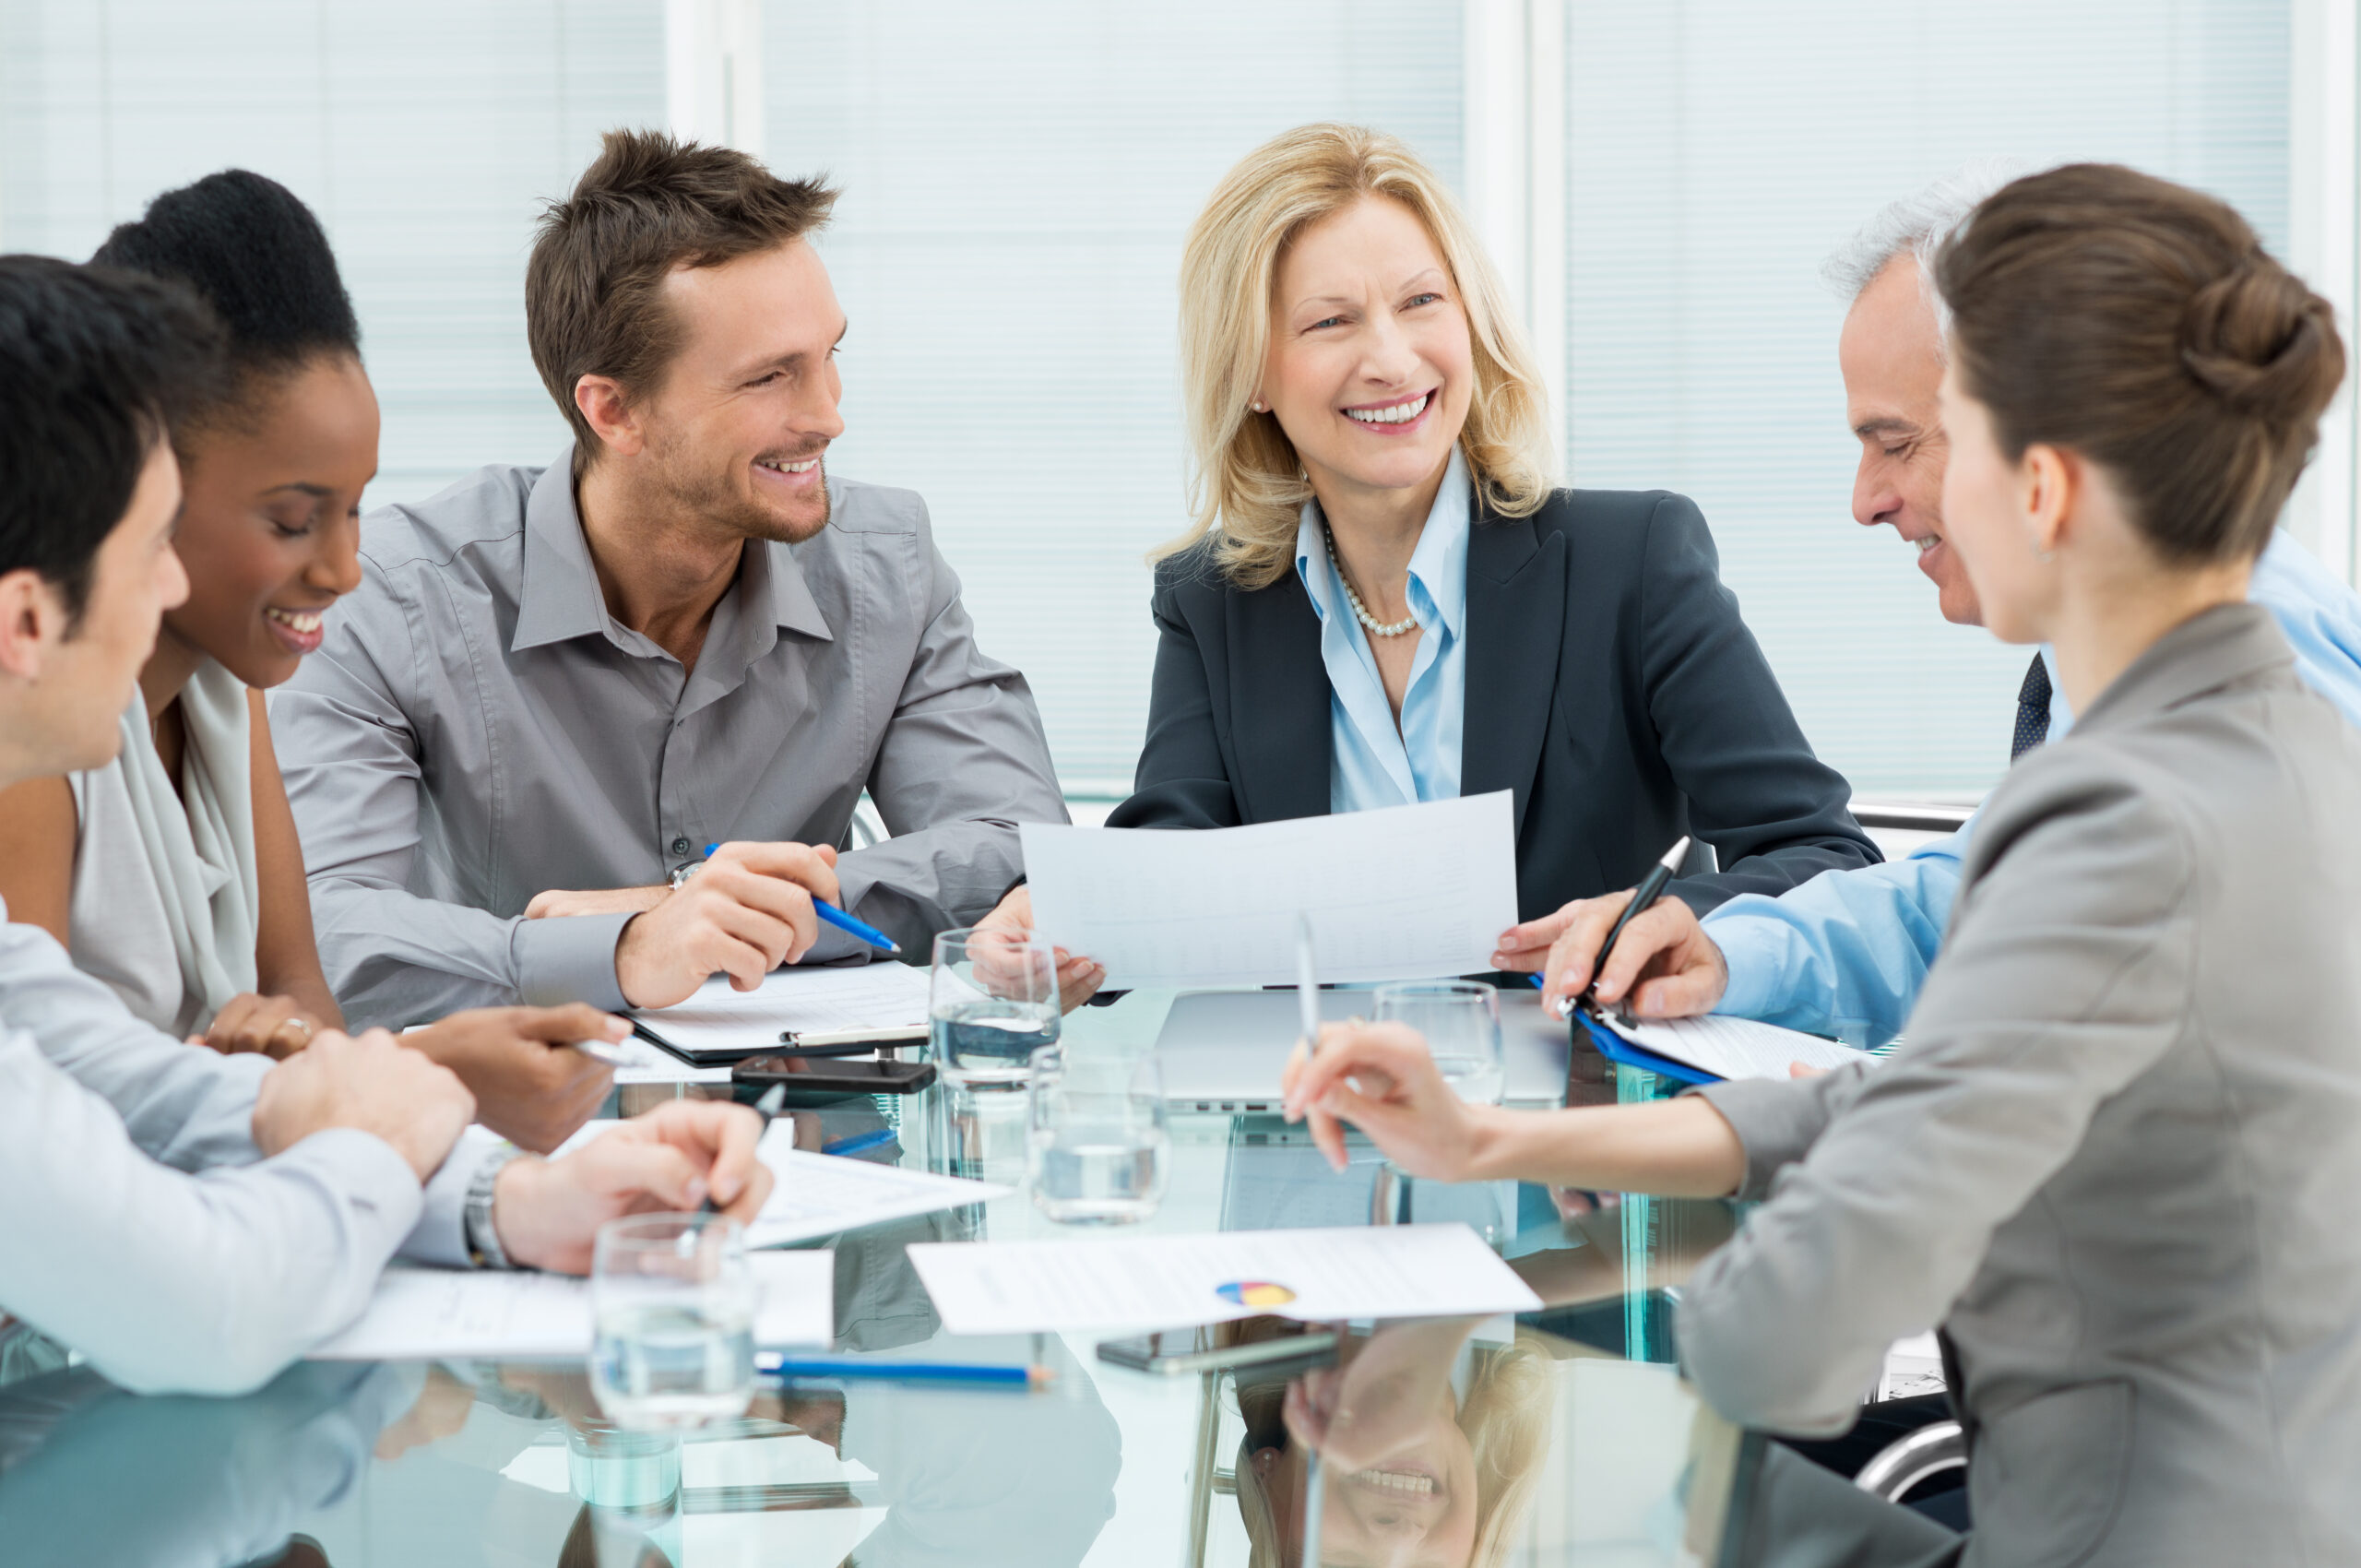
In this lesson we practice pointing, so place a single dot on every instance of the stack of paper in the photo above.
(1174, 1281)
(428, 1314)
(1404, 893)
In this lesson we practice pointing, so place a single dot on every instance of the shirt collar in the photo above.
(1438, 566)
(560, 598)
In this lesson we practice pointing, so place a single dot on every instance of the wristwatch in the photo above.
(481, 1235)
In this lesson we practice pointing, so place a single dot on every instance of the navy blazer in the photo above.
(1610, 683)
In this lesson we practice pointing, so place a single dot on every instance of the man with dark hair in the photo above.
(312, 1167)
(556, 686)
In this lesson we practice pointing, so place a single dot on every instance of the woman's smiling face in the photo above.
(1372, 366)
(270, 529)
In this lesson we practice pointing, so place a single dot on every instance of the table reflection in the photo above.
(1433, 1445)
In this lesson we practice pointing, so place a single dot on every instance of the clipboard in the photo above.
(1615, 1048)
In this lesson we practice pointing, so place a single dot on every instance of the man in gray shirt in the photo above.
(556, 686)
(186, 1220)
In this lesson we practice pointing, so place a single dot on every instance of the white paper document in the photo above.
(1404, 893)
(1734, 1048)
(426, 1314)
(644, 1063)
(1174, 1281)
(819, 1194)
(862, 996)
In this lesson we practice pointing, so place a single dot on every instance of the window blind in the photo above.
(425, 134)
(1719, 150)
(1017, 185)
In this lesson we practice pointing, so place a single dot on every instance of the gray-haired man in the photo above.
(1844, 954)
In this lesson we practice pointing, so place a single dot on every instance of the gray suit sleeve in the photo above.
(351, 760)
(2065, 978)
(961, 761)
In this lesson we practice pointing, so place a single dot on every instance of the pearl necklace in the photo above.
(1360, 611)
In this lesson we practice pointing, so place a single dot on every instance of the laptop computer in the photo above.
(1223, 1050)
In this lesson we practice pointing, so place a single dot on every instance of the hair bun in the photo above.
(2263, 343)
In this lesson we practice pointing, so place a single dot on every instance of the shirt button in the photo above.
(681, 845)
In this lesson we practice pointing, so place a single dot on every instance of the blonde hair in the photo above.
(1506, 1416)
(1246, 486)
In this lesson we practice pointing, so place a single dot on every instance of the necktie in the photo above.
(2033, 710)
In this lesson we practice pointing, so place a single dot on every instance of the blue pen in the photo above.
(886, 1369)
(860, 1143)
(841, 920)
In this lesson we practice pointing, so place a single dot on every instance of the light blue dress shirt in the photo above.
(1845, 954)
(1370, 763)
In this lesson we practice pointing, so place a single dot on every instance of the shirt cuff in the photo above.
(1754, 952)
(440, 1234)
(569, 958)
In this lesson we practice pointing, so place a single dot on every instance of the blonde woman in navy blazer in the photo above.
(1383, 600)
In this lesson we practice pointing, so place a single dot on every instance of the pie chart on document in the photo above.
(1254, 1293)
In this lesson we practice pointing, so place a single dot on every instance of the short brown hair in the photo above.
(593, 290)
(2143, 324)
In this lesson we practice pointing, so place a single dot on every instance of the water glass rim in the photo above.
(640, 1232)
(962, 936)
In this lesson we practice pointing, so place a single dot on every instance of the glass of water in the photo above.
(994, 1004)
(673, 1302)
(1461, 1022)
(1099, 1151)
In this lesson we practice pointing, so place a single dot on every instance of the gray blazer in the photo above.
(476, 729)
(2117, 1156)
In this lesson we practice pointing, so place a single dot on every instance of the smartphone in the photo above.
(822, 1076)
(1178, 1350)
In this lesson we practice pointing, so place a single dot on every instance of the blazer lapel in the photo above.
(1278, 700)
(1516, 621)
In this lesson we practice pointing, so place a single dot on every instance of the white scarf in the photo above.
(200, 842)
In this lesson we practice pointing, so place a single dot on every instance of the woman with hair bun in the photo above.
(2115, 1156)
(175, 874)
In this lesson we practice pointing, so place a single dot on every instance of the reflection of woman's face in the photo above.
(1415, 1508)
(270, 528)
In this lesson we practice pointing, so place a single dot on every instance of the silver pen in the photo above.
(1307, 984)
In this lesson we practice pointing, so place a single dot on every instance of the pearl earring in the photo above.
(1256, 406)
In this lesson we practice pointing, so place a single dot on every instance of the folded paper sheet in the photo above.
(1405, 893)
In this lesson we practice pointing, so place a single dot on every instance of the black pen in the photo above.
(765, 1108)
(1643, 896)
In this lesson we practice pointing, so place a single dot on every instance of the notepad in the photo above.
(431, 1313)
(1173, 1281)
(720, 1024)
(1715, 1048)
(1402, 893)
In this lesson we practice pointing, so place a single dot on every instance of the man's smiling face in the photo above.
(1890, 355)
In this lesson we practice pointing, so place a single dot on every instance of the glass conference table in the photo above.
(1563, 1438)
